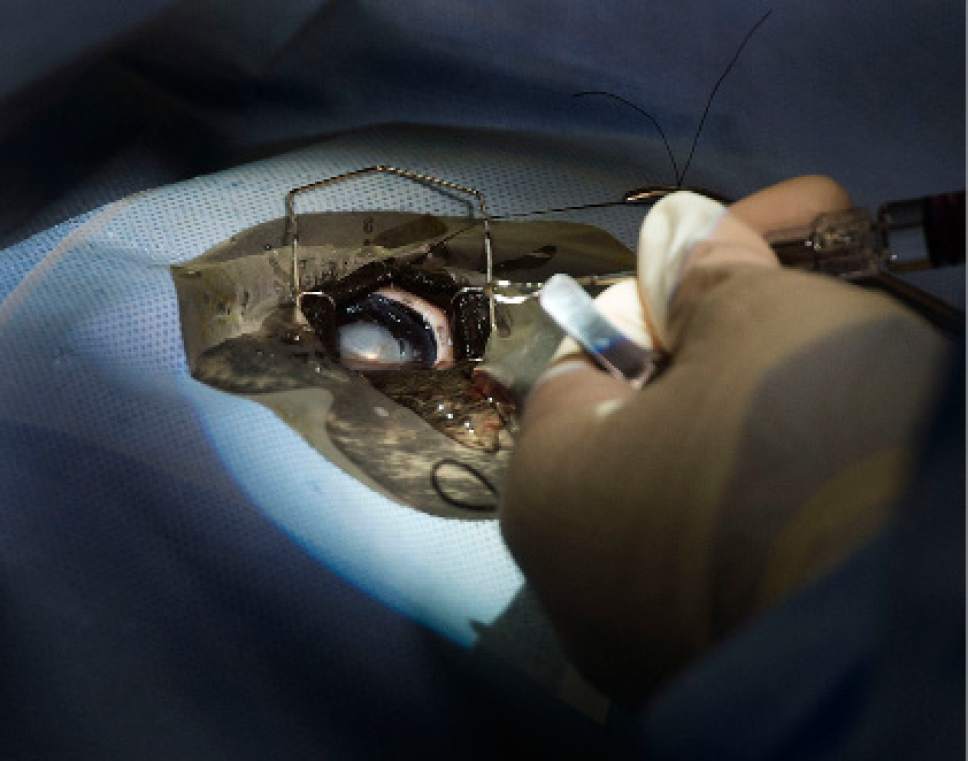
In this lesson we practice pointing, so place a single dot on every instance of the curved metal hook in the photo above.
(292, 223)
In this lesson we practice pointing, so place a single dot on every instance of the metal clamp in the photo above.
(292, 220)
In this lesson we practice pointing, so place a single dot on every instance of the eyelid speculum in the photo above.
(387, 427)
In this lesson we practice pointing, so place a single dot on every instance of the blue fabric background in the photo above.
(871, 93)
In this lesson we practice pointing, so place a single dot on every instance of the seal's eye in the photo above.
(391, 328)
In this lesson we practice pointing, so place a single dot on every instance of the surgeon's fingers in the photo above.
(737, 240)
(791, 203)
(683, 234)
(570, 388)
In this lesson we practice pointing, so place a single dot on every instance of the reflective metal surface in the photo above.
(387, 426)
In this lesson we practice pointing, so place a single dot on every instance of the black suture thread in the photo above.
(435, 482)
(646, 114)
(709, 101)
(537, 212)
(680, 178)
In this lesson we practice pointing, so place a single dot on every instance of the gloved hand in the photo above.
(680, 232)
(653, 522)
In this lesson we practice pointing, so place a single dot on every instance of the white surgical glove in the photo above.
(676, 235)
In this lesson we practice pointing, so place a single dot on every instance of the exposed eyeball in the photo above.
(390, 328)
(434, 317)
